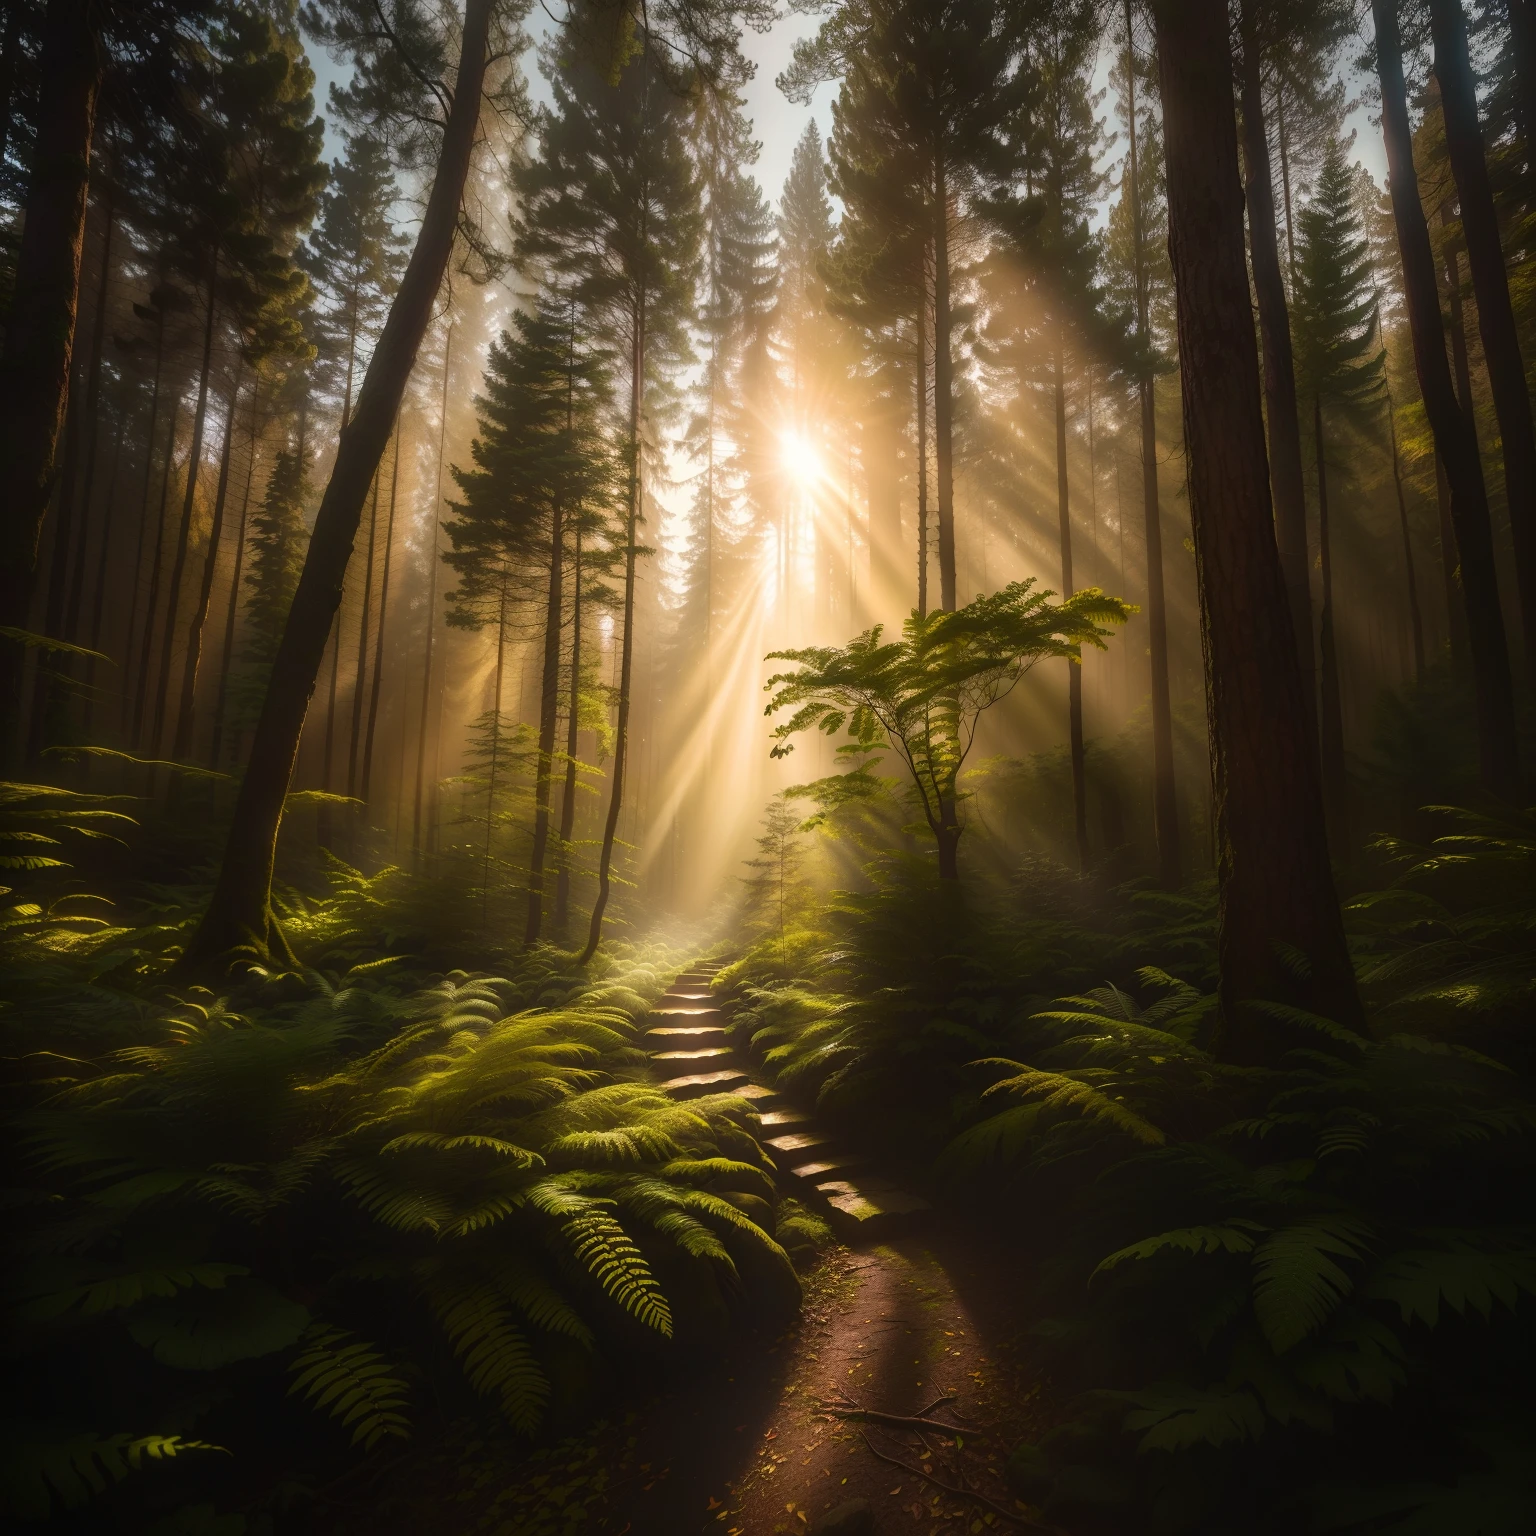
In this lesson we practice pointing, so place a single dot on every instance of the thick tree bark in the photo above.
(92, 417)
(1285, 477)
(1074, 670)
(1490, 284)
(184, 533)
(1415, 612)
(232, 612)
(922, 444)
(549, 710)
(99, 584)
(354, 740)
(432, 564)
(1165, 802)
(1451, 425)
(490, 793)
(40, 333)
(1522, 33)
(378, 647)
(1276, 885)
(152, 603)
(1450, 570)
(943, 391)
(627, 641)
(239, 919)
(181, 749)
(1331, 720)
(572, 732)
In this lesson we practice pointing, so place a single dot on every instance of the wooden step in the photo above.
(798, 1146)
(865, 1210)
(786, 1119)
(682, 1032)
(699, 1083)
(835, 1165)
(691, 1011)
(759, 1094)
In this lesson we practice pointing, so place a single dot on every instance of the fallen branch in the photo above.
(962, 1493)
(916, 1423)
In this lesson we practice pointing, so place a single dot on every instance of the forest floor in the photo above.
(746, 1446)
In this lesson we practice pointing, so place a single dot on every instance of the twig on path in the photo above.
(916, 1423)
(961, 1493)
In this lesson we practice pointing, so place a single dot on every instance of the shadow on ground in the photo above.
(747, 1447)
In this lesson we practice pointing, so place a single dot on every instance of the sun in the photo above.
(800, 457)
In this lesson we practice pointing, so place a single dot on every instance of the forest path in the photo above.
(742, 1445)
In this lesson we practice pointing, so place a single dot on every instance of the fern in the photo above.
(1072, 1090)
(1177, 1418)
(1237, 1236)
(42, 1463)
(1460, 1274)
(348, 1378)
(494, 1351)
(1297, 1283)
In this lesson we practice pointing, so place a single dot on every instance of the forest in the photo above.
(766, 766)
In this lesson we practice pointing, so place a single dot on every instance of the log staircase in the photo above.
(692, 1055)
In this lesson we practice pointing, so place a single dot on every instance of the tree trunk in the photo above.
(152, 603)
(1415, 613)
(627, 643)
(184, 535)
(92, 424)
(40, 331)
(943, 403)
(948, 834)
(549, 682)
(378, 648)
(432, 564)
(490, 792)
(1450, 569)
(572, 730)
(1331, 722)
(99, 585)
(1497, 750)
(182, 749)
(1285, 476)
(922, 442)
(1074, 670)
(232, 614)
(1490, 284)
(239, 919)
(1522, 33)
(1272, 851)
(549, 709)
(355, 739)
(1165, 803)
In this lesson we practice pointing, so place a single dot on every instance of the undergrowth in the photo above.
(262, 1232)
(1290, 1297)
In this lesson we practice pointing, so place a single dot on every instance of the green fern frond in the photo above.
(1071, 1091)
(492, 1348)
(439, 1142)
(349, 1379)
(1235, 1236)
(1297, 1285)
(1463, 1273)
(125, 1287)
(41, 1463)
(1175, 1418)
(601, 1246)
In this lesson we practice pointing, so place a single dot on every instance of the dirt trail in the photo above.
(745, 1448)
